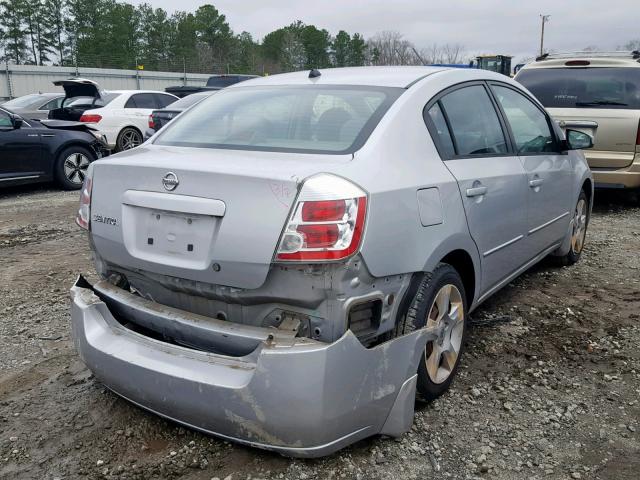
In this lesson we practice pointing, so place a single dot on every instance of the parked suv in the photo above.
(289, 260)
(592, 91)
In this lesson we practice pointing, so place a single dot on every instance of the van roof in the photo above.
(586, 59)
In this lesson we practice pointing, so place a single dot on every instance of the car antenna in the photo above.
(314, 73)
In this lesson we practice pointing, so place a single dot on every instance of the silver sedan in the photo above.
(288, 262)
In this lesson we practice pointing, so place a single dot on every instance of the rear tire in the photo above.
(128, 138)
(578, 233)
(439, 300)
(71, 166)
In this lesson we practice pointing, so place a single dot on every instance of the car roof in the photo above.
(124, 92)
(595, 59)
(44, 94)
(401, 77)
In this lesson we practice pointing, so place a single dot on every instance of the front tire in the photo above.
(440, 301)
(578, 232)
(71, 166)
(128, 138)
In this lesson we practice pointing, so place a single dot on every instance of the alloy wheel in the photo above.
(446, 312)
(75, 167)
(130, 139)
(579, 226)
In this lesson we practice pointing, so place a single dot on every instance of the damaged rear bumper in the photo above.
(293, 395)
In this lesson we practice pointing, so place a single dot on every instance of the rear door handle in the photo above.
(476, 191)
(536, 182)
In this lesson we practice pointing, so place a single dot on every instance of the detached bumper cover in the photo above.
(305, 399)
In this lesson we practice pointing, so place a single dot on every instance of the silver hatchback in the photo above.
(291, 260)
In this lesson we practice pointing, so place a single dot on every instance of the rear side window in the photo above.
(529, 125)
(596, 87)
(438, 120)
(474, 122)
(163, 100)
(141, 100)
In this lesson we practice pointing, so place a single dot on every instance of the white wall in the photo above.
(27, 79)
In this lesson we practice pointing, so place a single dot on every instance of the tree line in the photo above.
(112, 34)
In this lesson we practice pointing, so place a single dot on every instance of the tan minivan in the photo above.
(598, 93)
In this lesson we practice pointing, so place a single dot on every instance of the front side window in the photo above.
(528, 124)
(596, 87)
(5, 120)
(321, 119)
(474, 122)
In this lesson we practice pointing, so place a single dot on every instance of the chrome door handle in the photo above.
(536, 182)
(476, 191)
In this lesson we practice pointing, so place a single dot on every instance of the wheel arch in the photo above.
(128, 125)
(587, 187)
(462, 262)
(63, 146)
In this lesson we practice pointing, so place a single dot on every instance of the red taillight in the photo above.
(323, 211)
(321, 229)
(319, 236)
(91, 118)
(84, 212)
(151, 123)
(638, 136)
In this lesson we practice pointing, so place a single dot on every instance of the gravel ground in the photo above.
(549, 386)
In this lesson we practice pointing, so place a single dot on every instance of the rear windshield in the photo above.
(80, 102)
(187, 101)
(25, 101)
(225, 81)
(602, 87)
(313, 119)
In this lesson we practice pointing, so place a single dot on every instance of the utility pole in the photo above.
(545, 19)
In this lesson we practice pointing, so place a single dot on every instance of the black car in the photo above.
(214, 83)
(40, 151)
(159, 118)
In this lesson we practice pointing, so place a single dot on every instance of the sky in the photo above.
(508, 27)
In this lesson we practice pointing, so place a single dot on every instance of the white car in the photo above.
(123, 119)
(120, 115)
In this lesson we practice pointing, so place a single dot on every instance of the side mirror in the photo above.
(16, 121)
(577, 140)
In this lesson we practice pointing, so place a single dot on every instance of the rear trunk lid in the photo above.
(205, 215)
(162, 117)
(74, 88)
(615, 139)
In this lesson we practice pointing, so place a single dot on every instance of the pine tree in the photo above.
(54, 14)
(15, 38)
(36, 28)
(357, 48)
(341, 49)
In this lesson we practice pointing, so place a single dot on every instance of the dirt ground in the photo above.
(549, 386)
